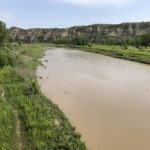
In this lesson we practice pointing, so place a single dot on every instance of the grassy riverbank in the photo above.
(42, 125)
(28, 119)
(7, 126)
(131, 53)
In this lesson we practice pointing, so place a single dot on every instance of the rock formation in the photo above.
(95, 33)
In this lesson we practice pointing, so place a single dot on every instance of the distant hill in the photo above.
(95, 33)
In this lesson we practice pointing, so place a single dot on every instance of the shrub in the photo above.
(3, 33)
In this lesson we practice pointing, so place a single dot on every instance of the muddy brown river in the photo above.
(106, 99)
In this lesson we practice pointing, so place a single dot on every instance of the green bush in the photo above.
(145, 39)
(7, 57)
(80, 41)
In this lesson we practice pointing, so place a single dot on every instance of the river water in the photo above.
(106, 99)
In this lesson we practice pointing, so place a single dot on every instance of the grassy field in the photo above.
(131, 53)
(43, 124)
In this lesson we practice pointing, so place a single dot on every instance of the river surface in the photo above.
(106, 99)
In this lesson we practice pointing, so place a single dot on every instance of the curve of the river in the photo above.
(106, 99)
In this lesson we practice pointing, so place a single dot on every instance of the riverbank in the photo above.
(42, 124)
(131, 53)
(106, 99)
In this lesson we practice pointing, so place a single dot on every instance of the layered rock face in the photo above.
(95, 33)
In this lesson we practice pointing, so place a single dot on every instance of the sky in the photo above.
(66, 13)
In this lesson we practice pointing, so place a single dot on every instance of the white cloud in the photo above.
(5, 16)
(98, 2)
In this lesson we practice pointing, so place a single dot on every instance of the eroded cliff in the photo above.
(95, 33)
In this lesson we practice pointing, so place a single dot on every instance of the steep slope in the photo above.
(95, 33)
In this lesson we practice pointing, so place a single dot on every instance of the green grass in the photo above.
(7, 126)
(7, 123)
(43, 124)
(132, 53)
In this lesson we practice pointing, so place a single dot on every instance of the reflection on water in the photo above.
(106, 99)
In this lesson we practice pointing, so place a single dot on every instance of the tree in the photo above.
(7, 57)
(137, 42)
(80, 41)
(145, 39)
(3, 33)
(125, 45)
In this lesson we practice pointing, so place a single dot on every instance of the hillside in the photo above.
(95, 33)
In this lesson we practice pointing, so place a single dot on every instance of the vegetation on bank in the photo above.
(8, 136)
(135, 48)
(7, 125)
(139, 41)
(43, 125)
(131, 53)
(78, 40)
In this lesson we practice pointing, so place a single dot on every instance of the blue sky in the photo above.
(66, 13)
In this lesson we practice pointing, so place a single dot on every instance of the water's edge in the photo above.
(107, 99)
